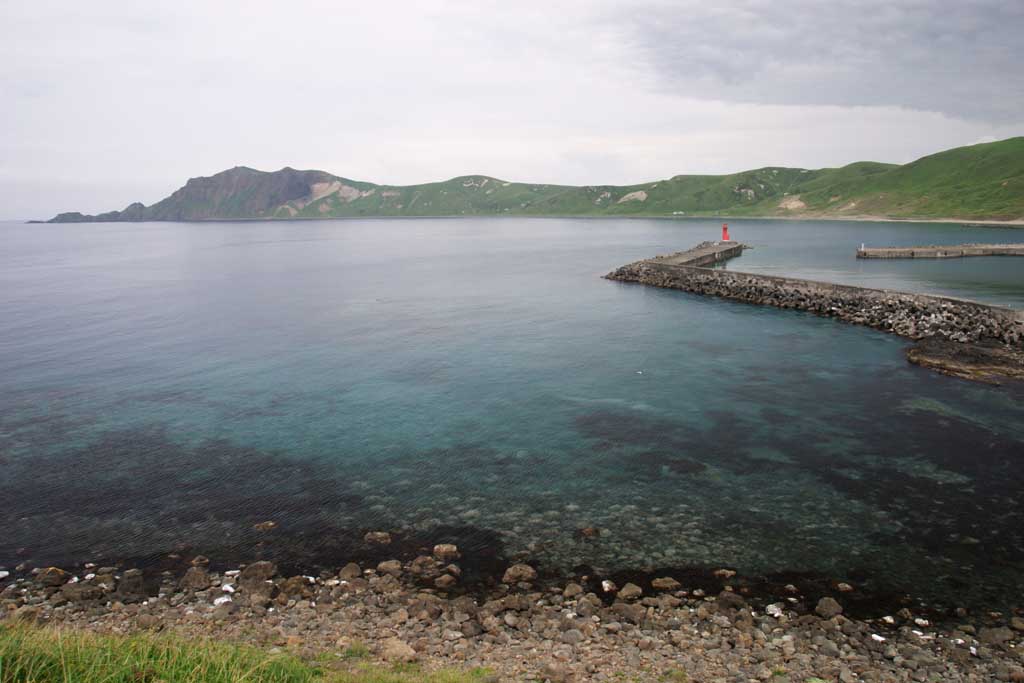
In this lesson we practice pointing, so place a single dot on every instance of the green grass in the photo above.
(983, 181)
(38, 655)
(356, 651)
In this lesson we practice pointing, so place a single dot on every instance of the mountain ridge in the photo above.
(977, 182)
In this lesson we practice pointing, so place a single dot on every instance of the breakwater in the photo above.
(915, 316)
(949, 251)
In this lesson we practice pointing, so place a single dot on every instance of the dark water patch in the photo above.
(139, 498)
(164, 397)
(656, 464)
(725, 440)
(422, 372)
(132, 488)
(628, 428)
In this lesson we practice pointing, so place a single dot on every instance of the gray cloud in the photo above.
(963, 59)
(112, 101)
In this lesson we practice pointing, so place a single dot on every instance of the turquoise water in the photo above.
(168, 386)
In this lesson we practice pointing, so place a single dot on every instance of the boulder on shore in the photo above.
(519, 573)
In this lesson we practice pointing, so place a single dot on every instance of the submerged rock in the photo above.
(666, 583)
(519, 573)
(730, 600)
(446, 552)
(377, 538)
(630, 591)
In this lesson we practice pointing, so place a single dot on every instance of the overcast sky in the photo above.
(110, 101)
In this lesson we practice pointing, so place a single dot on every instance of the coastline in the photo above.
(523, 625)
(1012, 223)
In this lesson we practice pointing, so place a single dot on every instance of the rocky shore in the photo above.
(523, 627)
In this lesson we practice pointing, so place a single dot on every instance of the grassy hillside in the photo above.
(979, 182)
(976, 182)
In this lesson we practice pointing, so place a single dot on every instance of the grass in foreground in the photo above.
(37, 655)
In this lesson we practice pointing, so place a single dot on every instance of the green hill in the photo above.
(980, 182)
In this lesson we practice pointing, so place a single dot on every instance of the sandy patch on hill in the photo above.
(638, 196)
(793, 203)
(321, 190)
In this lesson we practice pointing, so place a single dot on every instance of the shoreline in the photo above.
(481, 567)
(523, 625)
(1010, 223)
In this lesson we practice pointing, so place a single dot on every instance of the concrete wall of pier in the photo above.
(955, 251)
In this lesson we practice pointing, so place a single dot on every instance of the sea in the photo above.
(278, 389)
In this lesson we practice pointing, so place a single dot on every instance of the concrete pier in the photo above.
(951, 251)
(703, 255)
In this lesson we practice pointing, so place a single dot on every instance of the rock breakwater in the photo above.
(915, 316)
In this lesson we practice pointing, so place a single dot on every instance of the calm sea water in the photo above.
(168, 386)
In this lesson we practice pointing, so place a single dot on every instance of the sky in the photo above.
(108, 102)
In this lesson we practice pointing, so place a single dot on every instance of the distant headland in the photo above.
(983, 183)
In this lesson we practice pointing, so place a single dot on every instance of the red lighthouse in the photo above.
(725, 232)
